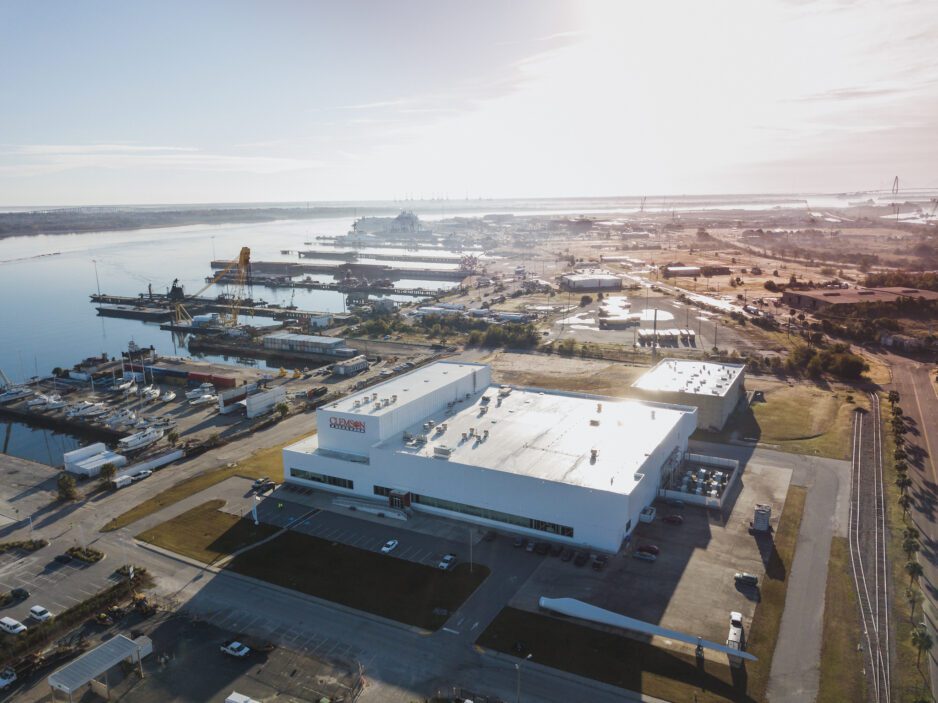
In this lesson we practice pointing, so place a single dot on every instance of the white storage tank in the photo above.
(762, 517)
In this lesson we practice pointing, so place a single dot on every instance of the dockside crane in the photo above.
(243, 266)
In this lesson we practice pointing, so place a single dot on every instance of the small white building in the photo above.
(350, 367)
(715, 389)
(590, 281)
(307, 343)
(87, 461)
(442, 439)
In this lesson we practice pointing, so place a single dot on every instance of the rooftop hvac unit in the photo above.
(485, 434)
(357, 404)
(464, 436)
(652, 414)
(593, 454)
(442, 451)
(374, 396)
(393, 398)
(594, 422)
(443, 427)
(599, 407)
(421, 439)
(377, 406)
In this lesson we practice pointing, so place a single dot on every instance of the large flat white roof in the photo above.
(549, 435)
(418, 382)
(691, 377)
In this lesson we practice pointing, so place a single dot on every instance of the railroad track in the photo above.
(867, 536)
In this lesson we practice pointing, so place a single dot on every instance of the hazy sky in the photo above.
(161, 102)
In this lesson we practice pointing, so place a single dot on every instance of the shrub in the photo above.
(88, 555)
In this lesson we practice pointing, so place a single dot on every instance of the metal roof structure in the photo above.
(91, 665)
(417, 383)
(691, 377)
(308, 338)
(582, 440)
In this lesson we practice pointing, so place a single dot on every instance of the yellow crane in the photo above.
(243, 266)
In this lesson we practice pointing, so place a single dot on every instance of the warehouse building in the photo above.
(442, 439)
(307, 344)
(715, 389)
(590, 280)
(847, 298)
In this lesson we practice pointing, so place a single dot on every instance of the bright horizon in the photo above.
(228, 102)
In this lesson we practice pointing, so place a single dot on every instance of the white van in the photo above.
(14, 627)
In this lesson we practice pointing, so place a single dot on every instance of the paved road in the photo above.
(401, 663)
(795, 674)
(920, 403)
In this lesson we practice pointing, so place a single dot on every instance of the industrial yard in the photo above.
(461, 446)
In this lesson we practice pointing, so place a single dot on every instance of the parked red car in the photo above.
(648, 549)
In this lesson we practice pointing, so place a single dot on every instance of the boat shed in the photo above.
(89, 667)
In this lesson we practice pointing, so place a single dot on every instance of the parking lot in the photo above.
(51, 584)
(367, 534)
(689, 586)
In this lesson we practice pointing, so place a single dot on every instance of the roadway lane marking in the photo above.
(451, 631)
(931, 456)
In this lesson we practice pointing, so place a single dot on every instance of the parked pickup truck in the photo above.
(235, 649)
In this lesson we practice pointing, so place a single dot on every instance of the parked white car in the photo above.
(37, 612)
(389, 546)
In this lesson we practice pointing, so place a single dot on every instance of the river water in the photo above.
(47, 320)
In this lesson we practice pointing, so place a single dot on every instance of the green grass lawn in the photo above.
(205, 533)
(612, 659)
(803, 418)
(377, 583)
(267, 462)
(655, 671)
(840, 659)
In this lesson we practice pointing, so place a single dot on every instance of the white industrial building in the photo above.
(350, 367)
(87, 461)
(444, 440)
(591, 280)
(715, 389)
(307, 343)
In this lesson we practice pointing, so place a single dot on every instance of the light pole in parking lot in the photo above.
(470, 548)
(518, 671)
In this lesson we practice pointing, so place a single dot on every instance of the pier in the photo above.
(347, 270)
(19, 412)
(145, 307)
(339, 287)
(355, 256)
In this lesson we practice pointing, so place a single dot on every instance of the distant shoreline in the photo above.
(76, 221)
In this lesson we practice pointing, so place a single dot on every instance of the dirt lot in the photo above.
(564, 373)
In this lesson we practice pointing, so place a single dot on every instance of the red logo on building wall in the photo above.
(341, 423)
